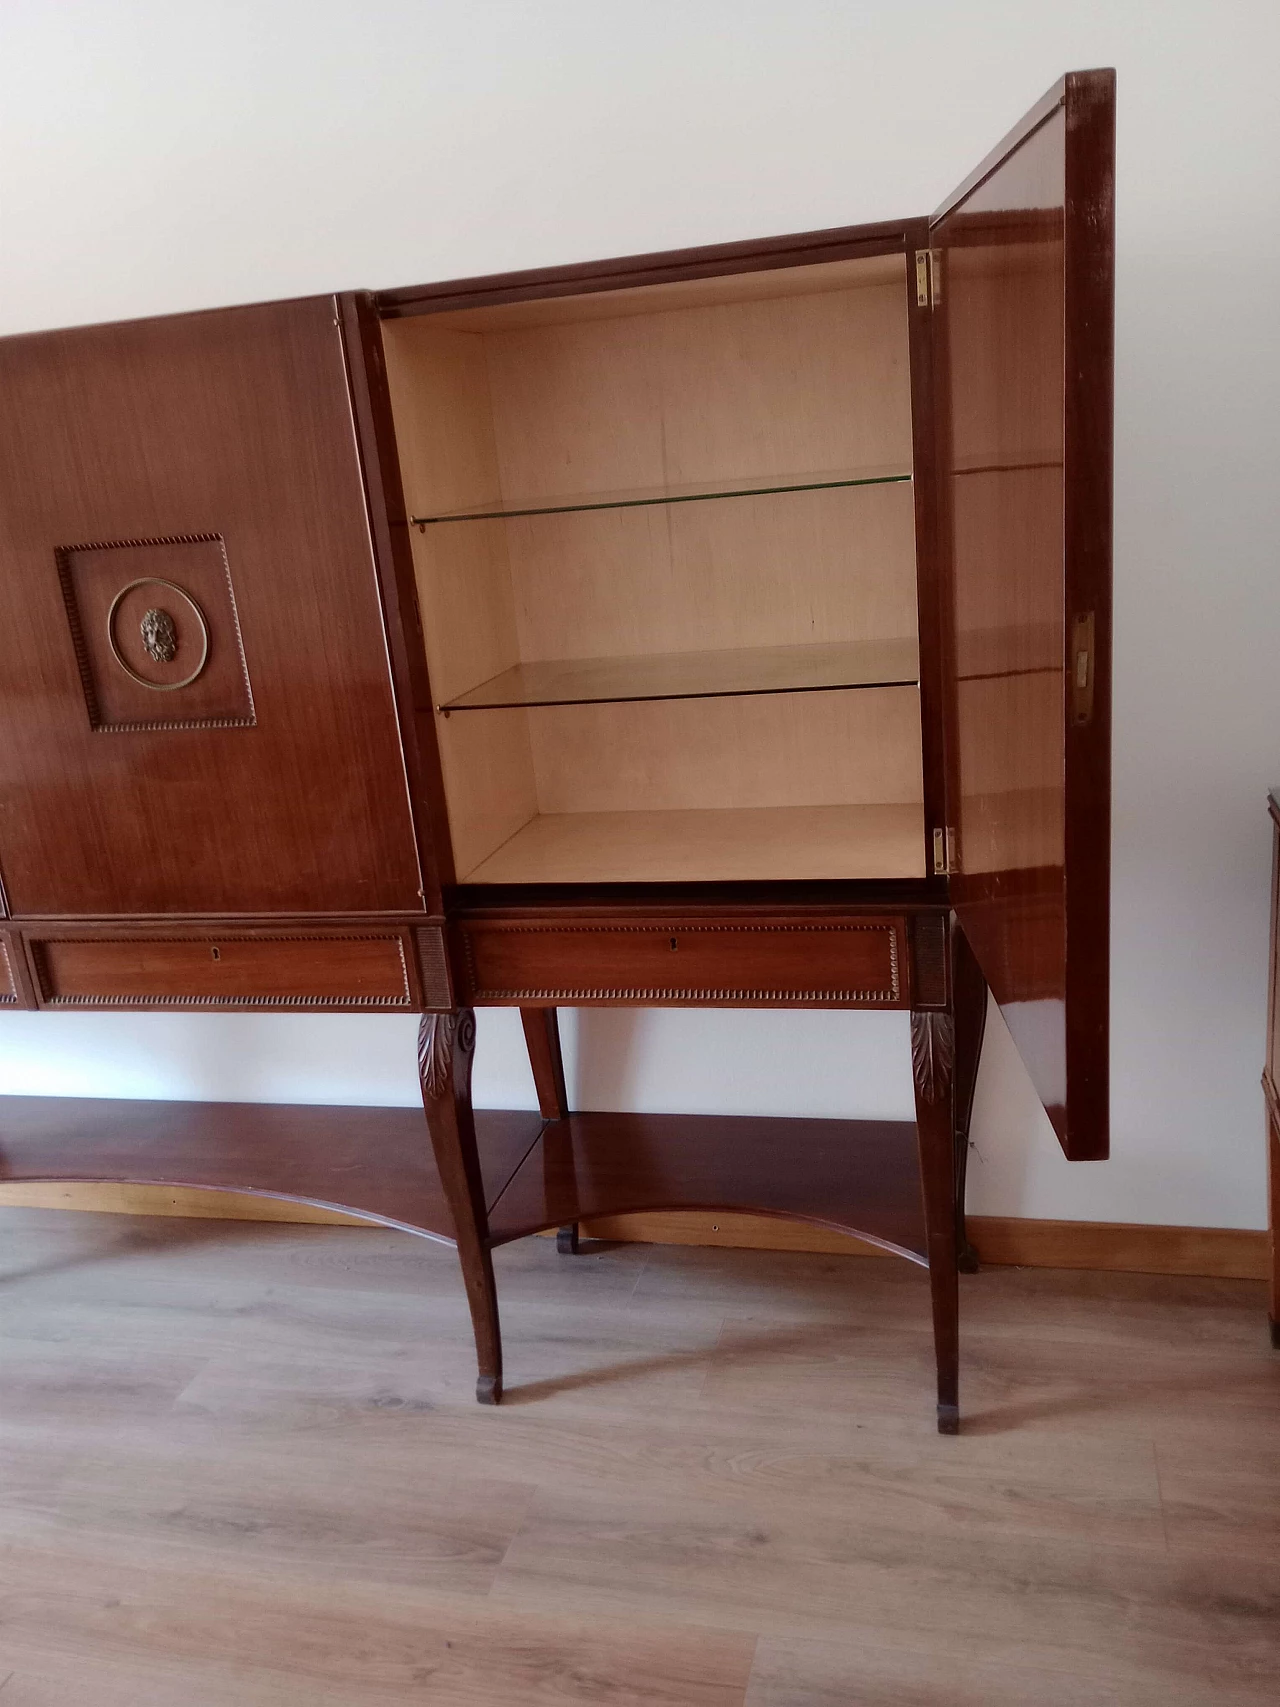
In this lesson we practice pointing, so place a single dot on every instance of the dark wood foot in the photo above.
(446, 1044)
(933, 1062)
(969, 999)
(567, 1240)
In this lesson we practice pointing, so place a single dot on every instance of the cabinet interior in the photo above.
(665, 559)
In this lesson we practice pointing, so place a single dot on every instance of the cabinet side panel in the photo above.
(440, 396)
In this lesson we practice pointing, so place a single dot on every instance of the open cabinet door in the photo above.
(1021, 279)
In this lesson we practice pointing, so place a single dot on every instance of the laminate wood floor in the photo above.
(242, 1467)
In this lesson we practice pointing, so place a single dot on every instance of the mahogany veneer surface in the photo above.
(676, 960)
(1025, 360)
(376, 1161)
(863, 1175)
(157, 449)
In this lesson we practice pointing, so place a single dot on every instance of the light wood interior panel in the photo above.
(809, 749)
(778, 388)
(749, 844)
(489, 781)
(679, 293)
(777, 570)
(444, 428)
(790, 376)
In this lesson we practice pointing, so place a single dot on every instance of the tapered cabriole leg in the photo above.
(933, 1061)
(446, 1044)
(542, 1039)
(969, 998)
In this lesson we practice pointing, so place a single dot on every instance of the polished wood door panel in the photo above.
(183, 498)
(1023, 299)
(679, 961)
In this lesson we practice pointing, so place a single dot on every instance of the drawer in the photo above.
(680, 961)
(231, 970)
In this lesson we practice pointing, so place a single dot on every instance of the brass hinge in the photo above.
(946, 861)
(1082, 669)
(928, 277)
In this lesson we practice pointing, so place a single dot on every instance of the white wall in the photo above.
(157, 155)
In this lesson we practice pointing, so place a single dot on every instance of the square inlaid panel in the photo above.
(156, 633)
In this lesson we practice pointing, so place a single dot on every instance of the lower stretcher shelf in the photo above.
(856, 1175)
(370, 1161)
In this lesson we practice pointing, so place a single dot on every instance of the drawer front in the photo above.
(229, 971)
(676, 962)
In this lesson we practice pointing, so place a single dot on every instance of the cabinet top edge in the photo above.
(1074, 87)
(327, 301)
(580, 278)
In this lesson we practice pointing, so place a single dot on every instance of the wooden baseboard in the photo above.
(1233, 1253)
(1002, 1241)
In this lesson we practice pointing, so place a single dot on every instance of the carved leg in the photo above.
(446, 1044)
(542, 1038)
(933, 1058)
(969, 998)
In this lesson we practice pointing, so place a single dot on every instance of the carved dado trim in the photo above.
(439, 1035)
(929, 960)
(754, 994)
(433, 966)
(933, 1054)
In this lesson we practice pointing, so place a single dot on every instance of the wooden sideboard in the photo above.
(728, 627)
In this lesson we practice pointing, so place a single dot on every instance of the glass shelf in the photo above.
(698, 675)
(638, 496)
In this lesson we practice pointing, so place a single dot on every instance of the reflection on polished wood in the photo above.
(859, 1175)
(700, 675)
(692, 846)
(371, 1161)
(1025, 360)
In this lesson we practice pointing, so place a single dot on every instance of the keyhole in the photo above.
(673, 942)
(215, 953)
